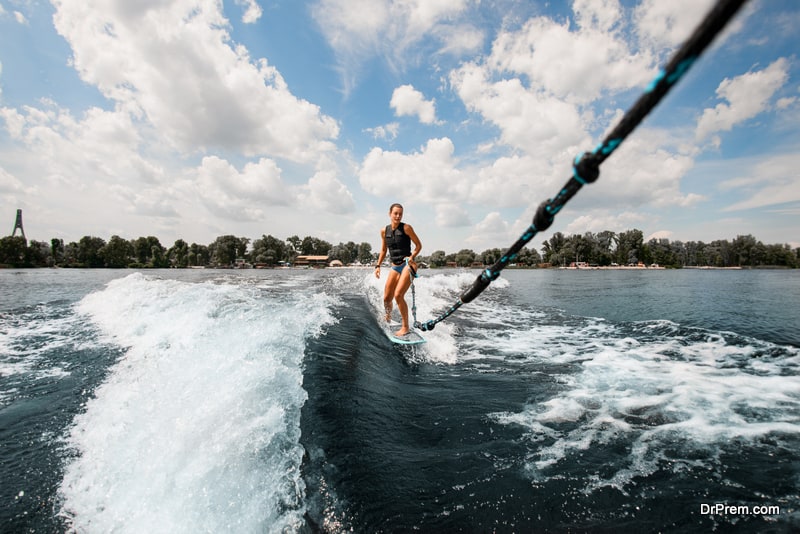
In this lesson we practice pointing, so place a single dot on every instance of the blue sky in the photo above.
(197, 118)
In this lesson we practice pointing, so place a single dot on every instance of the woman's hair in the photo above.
(395, 205)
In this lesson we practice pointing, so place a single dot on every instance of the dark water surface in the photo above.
(271, 401)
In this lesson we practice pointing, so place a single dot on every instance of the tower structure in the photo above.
(18, 224)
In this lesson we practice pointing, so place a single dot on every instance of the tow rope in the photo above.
(586, 167)
(413, 274)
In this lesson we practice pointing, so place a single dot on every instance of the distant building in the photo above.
(311, 261)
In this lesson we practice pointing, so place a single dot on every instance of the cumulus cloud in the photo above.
(361, 29)
(599, 220)
(449, 215)
(573, 64)
(175, 66)
(241, 196)
(386, 132)
(101, 146)
(668, 24)
(408, 101)
(252, 11)
(431, 173)
(491, 229)
(326, 192)
(771, 182)
(746, 95)
(514, 180)
(536, 123)
(9, 183)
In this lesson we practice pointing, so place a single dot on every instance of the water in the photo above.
(270, 401)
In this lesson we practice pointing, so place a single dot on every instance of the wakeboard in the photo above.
(411, 338)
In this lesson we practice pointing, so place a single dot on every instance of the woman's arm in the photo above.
(381, 255)
(414, 239)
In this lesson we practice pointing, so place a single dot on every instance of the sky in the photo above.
(192, 119)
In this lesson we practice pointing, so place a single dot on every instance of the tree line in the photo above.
(148, 252)
(625, 248)
(601, 249)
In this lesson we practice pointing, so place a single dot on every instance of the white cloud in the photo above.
(449, 215)
(408, 101)
(9, 184)
(660, 234)
(492, 229)
(386, 132)
(20, 18)
(493, 223)
(773, 181)
(325, 192)
(647, 170)
(573, 65)
(102, 146)
(429, 175)
(599, 220)
(516, 180)
(252, 11)
(538, 124)
(174, 66)
(747, 96)
(461, 39)
(668, 24)
(361, 29)
(243, 195)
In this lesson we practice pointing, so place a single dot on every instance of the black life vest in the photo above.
(398, 243)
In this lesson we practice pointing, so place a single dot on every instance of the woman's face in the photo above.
(396, 215)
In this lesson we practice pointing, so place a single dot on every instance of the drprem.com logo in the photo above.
(740, 509)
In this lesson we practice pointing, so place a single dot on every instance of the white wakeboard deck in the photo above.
(411, 338)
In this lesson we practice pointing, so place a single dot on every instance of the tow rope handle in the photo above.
(586, 167)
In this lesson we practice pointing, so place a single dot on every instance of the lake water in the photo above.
(270, 401)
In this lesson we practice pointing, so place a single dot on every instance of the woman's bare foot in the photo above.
(401, 332)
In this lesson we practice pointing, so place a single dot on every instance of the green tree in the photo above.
(57, 251)
(178, 254)
(90, 251)
(347, 253)
(528, 257)
(312, 246)
(71, 254)
(465, 257)
(490, 256)
(438, 259)
(199, 255)
(269, 250)
(225, 249)
(295, 243)
(117, 253)
(629, 246)
(149, 252)
(38, 254)
(552, 249)
(12, 251)
(364, 253)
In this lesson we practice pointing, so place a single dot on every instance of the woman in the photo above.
(396, 238)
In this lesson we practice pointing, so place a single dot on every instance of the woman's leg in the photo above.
(400, 297)
(388, 292)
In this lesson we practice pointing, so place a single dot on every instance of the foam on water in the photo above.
(27, 338)
(197, 426)
(673, 395)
